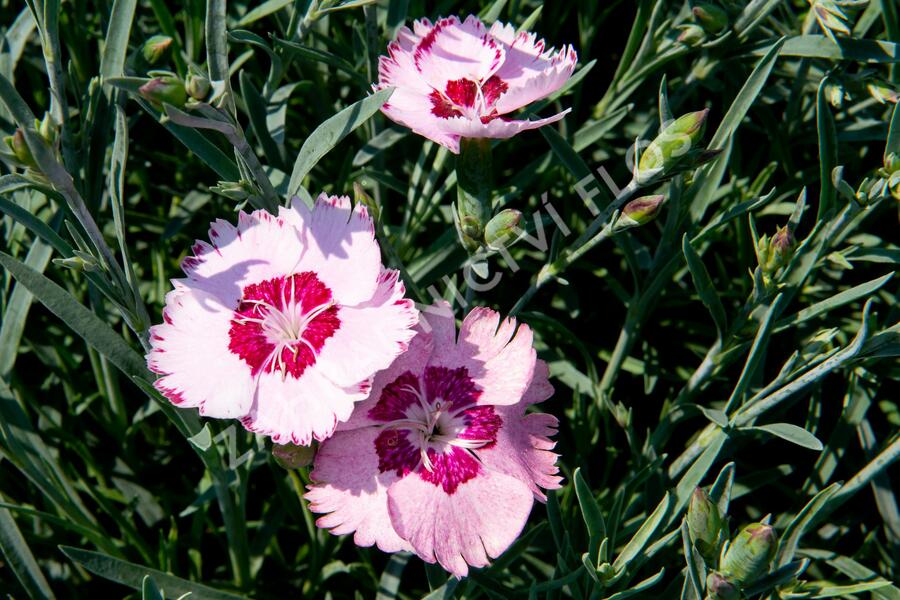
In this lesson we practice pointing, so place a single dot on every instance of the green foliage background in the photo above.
(673, 367)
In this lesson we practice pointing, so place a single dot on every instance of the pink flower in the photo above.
(456, 80)
(282, 321)
(442, 458)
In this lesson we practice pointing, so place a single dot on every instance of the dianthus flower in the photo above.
(282, 321)
(458, 80)
(442, 458)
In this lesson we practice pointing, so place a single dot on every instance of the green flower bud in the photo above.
(234, 190)
(156, 49)
(775, 252)
(704, 524)
(164, 89)
(644, 209)
(711, 18)
(671, 145)
(474, 172)
(750, 554)
(836, 94)
(20, 149)
(47, 128)
(82, 261)
(197, 84)
(883, 92)
(293, 457)
(691, 35)
(503, 229)
(719, 588)
(361, 197)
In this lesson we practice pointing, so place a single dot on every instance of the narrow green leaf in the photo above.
(389, 582)
(645, 534)
(790, 540)
(328, 134)
(263, 10)
(20, 560)
(704, 285)
(590, 512)
(892, 146)
(149, 590)
(828, 149)
(112, 61)
(793, 434)
(819, 46)
(81, 320)
(132, 575)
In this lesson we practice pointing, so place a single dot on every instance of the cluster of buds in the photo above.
(166, 87)
(709, 20)
(17, 151)
(734, 565)
(891, 174)
(675, 149)
(836, 16)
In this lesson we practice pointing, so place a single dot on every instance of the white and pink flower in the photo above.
(458, 80)
(442, 458)
(282, 321)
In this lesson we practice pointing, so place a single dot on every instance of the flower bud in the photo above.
(644, 209)
(775, 252)
(164, 89)
(891, 174)
(234, 190)
(47, 128)
(749, 555)
(156, 49)
(836, 94)
(81, 261)
(361, 197)
(671, 145)
(293, 457)
(20, 149)
(711, 18)
(197, 84)
(704, 523)
(883, 92)
(691, 35)
(719, 588)
(503, 229)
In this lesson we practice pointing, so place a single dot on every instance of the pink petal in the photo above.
(499, 357)
(371, 334)
(477, 522)
(353, 492)
(452, 51)
(500, 128)
(339, 245)
(190, 352)
(297, 410)
(529, 71)
(523, 447)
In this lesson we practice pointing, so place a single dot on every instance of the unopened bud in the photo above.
(691, 35)
(47, 128)
(644, 209)
(775, 252)
(719, 588)
(749, 555)
(712, 19)
(156, 49)
(197, 84)
(20, 149)
(892, 174)
(836, 94)
(704, 523)
(503, 229)
(166, 89)
(883, 93)
(293, 457)
(361, 197)
(671, 145)
(81, 261)
(234, 190)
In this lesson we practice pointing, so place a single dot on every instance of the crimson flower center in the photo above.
(432, 425)
(467, 97)
(282, 323)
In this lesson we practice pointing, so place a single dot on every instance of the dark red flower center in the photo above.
(433, 425)
(282, 323)
(464, 96)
